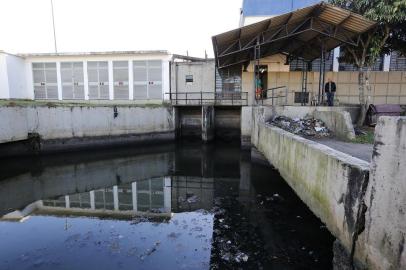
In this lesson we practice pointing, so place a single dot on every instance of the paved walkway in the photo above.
(361, 151)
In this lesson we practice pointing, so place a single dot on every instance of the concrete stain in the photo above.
(401, 249)
(375, 151)
(355, 180)
(357, 185)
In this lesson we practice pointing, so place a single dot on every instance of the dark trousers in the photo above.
(330, 98)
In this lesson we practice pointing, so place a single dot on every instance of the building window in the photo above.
(377, 66)
(98, 77)
(72, 80)
(147, 79)
(120, 77)
(298, 65)
(229, 79)
(45, 80)
(397, 62)
(189, 79)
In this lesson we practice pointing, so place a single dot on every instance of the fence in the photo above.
(209, 98)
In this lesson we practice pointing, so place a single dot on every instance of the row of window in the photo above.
(147, 80)
(397, 63)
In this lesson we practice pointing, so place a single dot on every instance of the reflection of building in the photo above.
(156, 197)
(152, 195)
(125, 186)
(191, 193)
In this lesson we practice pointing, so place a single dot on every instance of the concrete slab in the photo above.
(358, 150)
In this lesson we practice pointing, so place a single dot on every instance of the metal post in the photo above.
(324, 76)
(320, 76)
(201, 98)
(304, 82)
(273, 95)
(286, 95)
(232, 98)
(53, 25)
(257, 55)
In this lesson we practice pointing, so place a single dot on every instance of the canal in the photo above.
(184, 205)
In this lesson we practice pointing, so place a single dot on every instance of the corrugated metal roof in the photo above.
(273, 7)
(298, 33)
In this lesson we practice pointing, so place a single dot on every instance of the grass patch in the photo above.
(367, 138)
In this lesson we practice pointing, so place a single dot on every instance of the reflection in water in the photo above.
(185, 206)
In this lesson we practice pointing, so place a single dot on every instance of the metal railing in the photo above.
(277, 95)
(209, 98)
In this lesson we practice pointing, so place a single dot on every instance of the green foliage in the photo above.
(388, 36)
(367, 138)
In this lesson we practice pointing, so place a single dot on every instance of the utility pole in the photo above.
(53, 24)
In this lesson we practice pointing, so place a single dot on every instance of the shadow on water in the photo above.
(183, 205)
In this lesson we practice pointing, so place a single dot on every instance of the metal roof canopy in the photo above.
(303, 33)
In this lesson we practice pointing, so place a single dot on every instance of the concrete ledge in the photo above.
(37, 146)
(66, 122)
(330, 182)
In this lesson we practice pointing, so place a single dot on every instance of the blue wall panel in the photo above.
(273, 7)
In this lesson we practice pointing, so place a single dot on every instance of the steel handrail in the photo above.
(234, 97)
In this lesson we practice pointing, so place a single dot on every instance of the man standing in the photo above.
(330, 90)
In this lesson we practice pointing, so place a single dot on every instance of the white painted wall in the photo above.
(203, 77)
(16, 79)
(12, 77)
(4, 89)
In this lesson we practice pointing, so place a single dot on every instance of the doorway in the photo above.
(261, 81)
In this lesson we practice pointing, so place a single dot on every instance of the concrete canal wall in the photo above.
(328, 181)
(62, 126)
(364, 211)
(382, 244)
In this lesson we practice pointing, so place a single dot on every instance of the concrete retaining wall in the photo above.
(328, 181)
(362, 204)
(303, 111)
(382, 244)
(246, 126)
(81, 122)
(337, 119)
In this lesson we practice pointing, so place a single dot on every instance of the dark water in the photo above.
(177, 206)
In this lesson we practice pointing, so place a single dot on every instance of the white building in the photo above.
(127, 75)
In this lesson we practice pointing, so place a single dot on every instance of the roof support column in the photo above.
(257, 55)
(336, 64)
(320, 98)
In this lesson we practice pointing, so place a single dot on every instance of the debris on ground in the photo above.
(309, 127)
(190, 198)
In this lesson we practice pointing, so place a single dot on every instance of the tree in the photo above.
(389, 35)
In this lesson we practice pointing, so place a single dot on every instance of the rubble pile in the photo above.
(309, 127)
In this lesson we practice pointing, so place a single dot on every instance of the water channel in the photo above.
(184, 205)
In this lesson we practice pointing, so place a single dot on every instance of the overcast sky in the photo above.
(105, 25)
